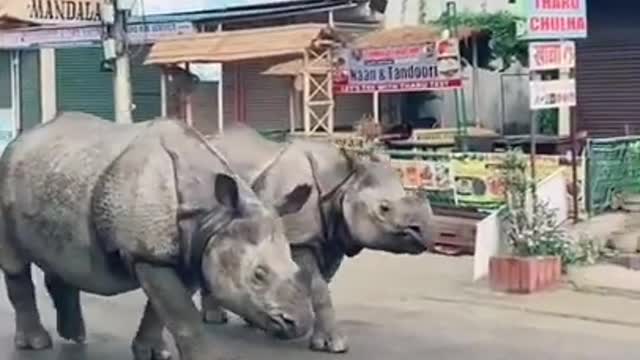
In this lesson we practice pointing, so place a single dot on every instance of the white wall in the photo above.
(48, 84)
(515, 90)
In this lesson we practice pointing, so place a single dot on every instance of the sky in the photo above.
(156, 7)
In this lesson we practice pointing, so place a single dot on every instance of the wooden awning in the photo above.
(19, 13)
(239, 45)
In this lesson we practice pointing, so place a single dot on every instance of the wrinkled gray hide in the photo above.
(355, 205)
(107, 208)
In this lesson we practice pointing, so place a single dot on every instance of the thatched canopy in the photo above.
(400, 36)
(239, 45)
(294, 67)
(405, 36)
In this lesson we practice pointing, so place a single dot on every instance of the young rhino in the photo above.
(107, 208)
(355, 204)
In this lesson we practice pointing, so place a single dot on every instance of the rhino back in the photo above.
(148, 202)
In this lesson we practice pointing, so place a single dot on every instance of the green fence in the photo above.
(613, 168)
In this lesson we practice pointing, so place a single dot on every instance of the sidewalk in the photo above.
(433, 278)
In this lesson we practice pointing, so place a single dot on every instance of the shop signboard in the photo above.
(552, 55)
(551, 94)
(76, 35)
(84, 12)
(555, 19)
(430, 66)
(52, 12)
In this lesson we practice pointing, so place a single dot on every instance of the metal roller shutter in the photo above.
(608, 70)
(145, 87)
(5, 80)
(30, 111)
(80, 85)
(350, 108)
(608, 87)
(205, 102)
(266, 97)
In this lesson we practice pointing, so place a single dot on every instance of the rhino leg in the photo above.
(212, 312)
(327, 336)
(174, 306)
(30, 334)
(149, 344)
(66, 300)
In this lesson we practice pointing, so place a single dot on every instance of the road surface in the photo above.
(402, 328)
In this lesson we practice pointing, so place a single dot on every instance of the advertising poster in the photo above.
(426, 175)
(432, 66)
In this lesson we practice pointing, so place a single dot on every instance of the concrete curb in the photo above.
(532, 310)
(606, 291)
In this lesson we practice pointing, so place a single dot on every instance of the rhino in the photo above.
(109, 208)
(357, 203)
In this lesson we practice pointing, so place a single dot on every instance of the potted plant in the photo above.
(538, 247)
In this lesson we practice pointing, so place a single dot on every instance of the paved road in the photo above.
(405, 329)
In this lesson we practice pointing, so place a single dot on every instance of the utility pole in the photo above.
(116, 49)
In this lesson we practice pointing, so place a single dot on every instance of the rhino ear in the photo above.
(294, 201)
(227, 192)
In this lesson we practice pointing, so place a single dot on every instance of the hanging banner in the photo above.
(555, 19)
(432, 66)
(552, 55)
(52, 12)
(551, 94)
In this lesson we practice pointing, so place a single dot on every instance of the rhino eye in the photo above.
(385, 207)
(261, 274)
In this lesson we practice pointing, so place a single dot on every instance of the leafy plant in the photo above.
(548, 121)
(500, 26)
(531, 230)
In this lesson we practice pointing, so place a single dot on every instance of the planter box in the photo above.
(524, 275)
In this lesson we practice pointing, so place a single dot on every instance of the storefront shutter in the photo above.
(145, 87)
(5, 79)
(266, 97)
(81, 86)
(608, 64)
(30, 106)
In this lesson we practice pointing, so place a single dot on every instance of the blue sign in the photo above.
(163, 7)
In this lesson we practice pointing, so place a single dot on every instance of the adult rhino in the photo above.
(355, 204)
(107, 208)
